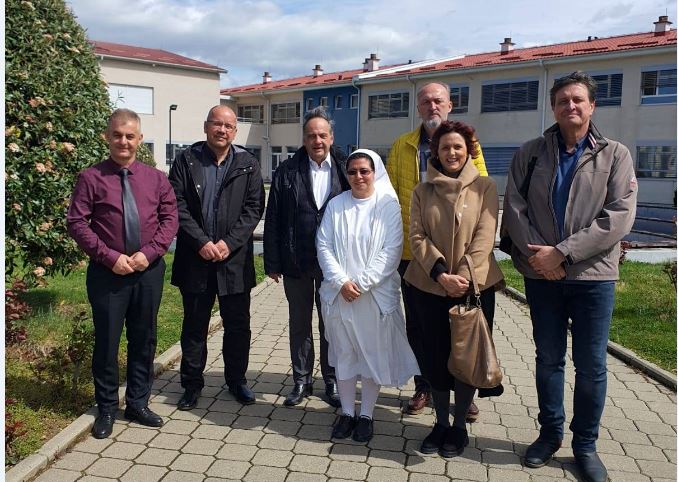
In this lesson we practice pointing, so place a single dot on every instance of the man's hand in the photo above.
(453, 284)
(209, 252)
(545, 258)
(123, 265)
(350, 291)
(275, 277)
(138, 261)
(558, 273)
(224, 250)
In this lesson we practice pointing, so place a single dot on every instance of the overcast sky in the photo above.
(288, 37)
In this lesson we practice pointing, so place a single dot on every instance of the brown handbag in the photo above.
(473, 358)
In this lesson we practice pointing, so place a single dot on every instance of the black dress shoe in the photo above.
(188, 400)
(456, 439)
(363, 430)
(242, 393)
(332, 394)
(103, 425)
(298, 393)
(343, 427)
(539, 453)
(434, 440)
(591, 467)
(144, 416)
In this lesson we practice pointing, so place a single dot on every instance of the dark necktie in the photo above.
(129, 208)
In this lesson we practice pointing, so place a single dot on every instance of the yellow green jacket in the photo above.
(403, 170)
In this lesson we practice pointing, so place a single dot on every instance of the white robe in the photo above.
(366, 337)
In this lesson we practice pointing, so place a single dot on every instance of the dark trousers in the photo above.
(412, 327)
(235, 313)
(300, 293)
(589, 305)
(131, 300)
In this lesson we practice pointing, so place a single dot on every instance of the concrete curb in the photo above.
(629, 357)
(31, 466)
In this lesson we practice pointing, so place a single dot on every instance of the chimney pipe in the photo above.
(662, 25)
(317, 70)
(371, 63)
(267, 78)
(506, 45)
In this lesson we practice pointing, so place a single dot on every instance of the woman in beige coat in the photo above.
(454, 212)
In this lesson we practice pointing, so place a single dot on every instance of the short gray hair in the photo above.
(576, 77)
(441, 84)
(318, 113)
(124, 114)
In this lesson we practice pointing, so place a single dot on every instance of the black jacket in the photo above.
(292, 217)
(241, 206)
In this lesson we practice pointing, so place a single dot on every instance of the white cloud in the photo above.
(288, 37)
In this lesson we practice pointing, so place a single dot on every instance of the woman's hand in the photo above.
(453, 284)
(350, 291)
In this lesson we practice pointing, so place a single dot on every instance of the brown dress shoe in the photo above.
(473, 413)
(418, 402)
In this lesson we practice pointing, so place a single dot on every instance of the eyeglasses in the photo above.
(219, 124)
(363, 172)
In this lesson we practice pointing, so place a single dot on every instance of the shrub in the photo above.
(15, 309)
(56, 107)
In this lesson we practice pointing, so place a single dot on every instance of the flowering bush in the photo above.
(56, 109)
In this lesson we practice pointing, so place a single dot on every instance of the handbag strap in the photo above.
(472, 270)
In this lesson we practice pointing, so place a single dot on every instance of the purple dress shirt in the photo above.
(95, 216)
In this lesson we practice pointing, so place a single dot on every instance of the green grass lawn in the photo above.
(42, 410)
(644, 318)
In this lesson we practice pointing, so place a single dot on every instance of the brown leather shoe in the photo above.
(473, 413)
(418, 402)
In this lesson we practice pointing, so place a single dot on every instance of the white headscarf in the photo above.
(382, 183)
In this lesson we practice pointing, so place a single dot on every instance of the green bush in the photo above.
(56, 107)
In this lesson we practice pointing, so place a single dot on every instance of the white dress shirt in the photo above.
(321, 179)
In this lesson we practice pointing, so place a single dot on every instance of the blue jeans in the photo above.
(589, 305)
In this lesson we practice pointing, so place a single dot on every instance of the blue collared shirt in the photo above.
(567, 163)
(214, 178)
(424, 153)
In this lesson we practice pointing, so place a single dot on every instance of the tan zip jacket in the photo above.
(601, 207)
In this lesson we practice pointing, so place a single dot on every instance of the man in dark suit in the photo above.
(220, 199)
(302, 186)
(123, 215)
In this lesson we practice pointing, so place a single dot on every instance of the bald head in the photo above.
(220, 127)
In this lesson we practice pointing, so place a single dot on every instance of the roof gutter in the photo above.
(164, 64)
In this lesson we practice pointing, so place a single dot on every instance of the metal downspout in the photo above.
(357, 124)
(267, 102)
(544, 96)
(414, 104)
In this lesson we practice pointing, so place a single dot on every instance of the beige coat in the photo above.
(448, 219)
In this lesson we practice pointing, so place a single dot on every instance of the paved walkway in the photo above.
(222, 440)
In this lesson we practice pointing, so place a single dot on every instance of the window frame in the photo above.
(388, 99)
(285, 107)
(510, 88)
(658, 98)
(119, 101)
(649, 173)
(250, 119)
(354, 101)
(337, 102)
(459, 108)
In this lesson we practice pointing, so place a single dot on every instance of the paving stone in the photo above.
(427, 465)
(112, 468)
(202, 446)
(615, 476)
(77, 461)
(349, 451)
(386, 442)
(194, 415)
(276, 441)
(272, 458)
(655, 428)
(312, 447)
(428, 478)
(259, 474)
(314, 432)
(507, 460)
(670, 455)
(245, 437)
(383, 458)
(123, 450)
(153, 456)
(249, 423)
(621, 463)
(147, 473)
(387, 474)
(179, 476)
(237, 452)
(180, 427)
(192, 463)
(644, 452)
(58, 475)
(93, 478)
(93, 445)
(626, 436)
(347, 470)
(500, 474)
(222, 419)
(309, 464)
(233, 469)
(654, 469)
(457, 470)
(304, 477)
(285, 413)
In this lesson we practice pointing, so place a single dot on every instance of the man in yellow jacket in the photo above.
(406, 167)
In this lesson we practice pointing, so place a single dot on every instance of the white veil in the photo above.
(382, 183)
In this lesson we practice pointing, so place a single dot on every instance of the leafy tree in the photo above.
(56, 108)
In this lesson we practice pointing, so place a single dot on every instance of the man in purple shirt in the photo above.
(123, 214)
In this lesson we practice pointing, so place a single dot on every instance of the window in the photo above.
(383, 152)
(459, 98)
(290, 151)
(256, 151)
(171, 151)
(251, 113)
(337, 102)
(510, 96)
(656, 161)
(498, 159)
(609, 89)
(309, 104)
(354, 101)
(276, 157)
(139, 99)
(287, 113)
(389, 105)
(323, 102)
(658, 87)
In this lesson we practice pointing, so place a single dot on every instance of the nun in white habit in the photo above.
(359, 244)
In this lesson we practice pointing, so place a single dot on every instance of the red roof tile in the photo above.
(329, 78)
(108, 49)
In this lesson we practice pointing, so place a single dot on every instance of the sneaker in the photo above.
(343, 427)
(434, 440)
(363, 429)
(418, 402)
(456, 439)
